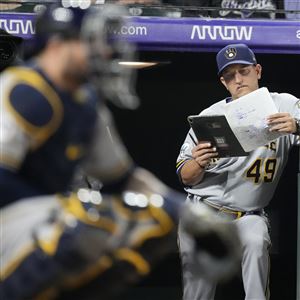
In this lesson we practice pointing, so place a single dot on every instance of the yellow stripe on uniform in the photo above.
(133, 257)
(13, 264)
(9, 162)
(32, 78)
(164, 219)
(91, 272)
(163, 227)
(49, 244)
(48, 294)
(180, 163)
(73, 205)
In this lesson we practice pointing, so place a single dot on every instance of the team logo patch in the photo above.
(185, 147)
(298, 104)
(230, 53)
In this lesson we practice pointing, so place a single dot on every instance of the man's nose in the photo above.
(238, 77)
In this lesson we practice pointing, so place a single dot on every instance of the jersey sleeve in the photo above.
(185, 153)
(14, 143)
(290, 104)
(296, 113)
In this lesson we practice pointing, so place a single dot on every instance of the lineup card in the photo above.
(242, 128)
(247, 119)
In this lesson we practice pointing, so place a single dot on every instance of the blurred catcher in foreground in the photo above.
(84, 244)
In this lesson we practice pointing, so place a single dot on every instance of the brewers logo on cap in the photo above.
(230, 53)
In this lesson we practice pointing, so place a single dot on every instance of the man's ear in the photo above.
(258, 69)
(223, 82)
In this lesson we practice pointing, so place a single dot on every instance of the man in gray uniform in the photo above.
(238, 187)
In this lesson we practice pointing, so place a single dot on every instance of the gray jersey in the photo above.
(243, 183)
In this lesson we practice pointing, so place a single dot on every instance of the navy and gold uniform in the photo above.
(48, 132)
(52, 241)
(63, 241)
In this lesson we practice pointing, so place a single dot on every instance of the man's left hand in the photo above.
(282, 122)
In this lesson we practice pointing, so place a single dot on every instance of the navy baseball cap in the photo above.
(235, 54)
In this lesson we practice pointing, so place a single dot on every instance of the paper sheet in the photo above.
(247, 119)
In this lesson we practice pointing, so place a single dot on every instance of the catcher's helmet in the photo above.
(99, 27)
(102, 29)
(58, 21)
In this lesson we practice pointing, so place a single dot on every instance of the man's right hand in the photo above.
(192, 172)
(203, 153)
